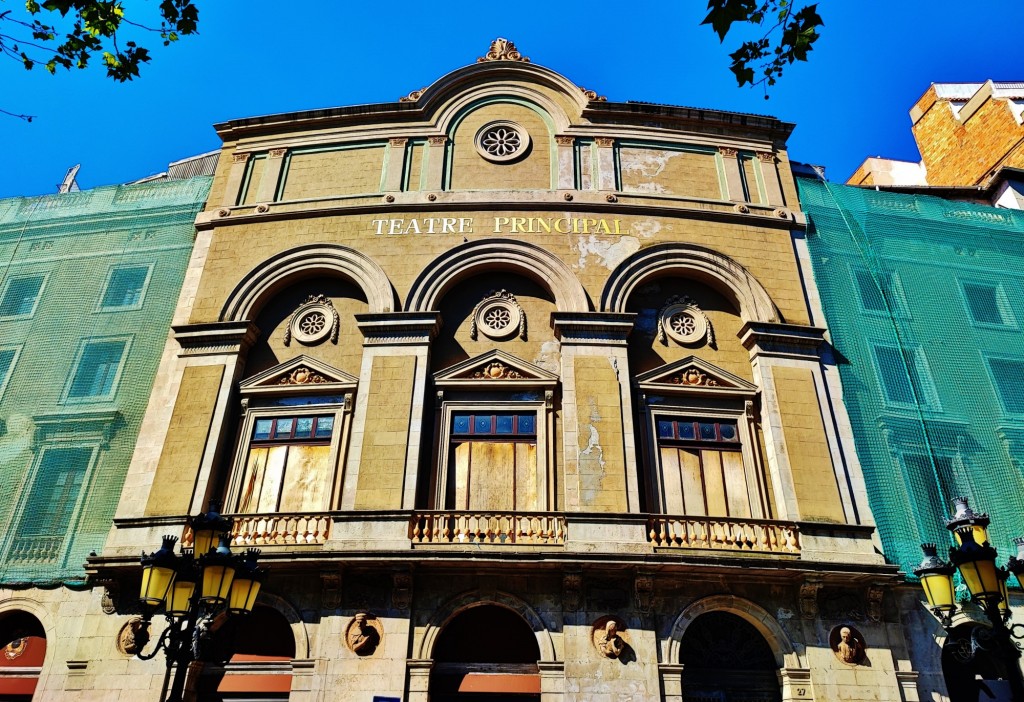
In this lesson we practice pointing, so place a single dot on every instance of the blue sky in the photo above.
(251, 58)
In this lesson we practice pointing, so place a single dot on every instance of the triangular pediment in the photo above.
(495, 368)
(694, 374)
(300, 375)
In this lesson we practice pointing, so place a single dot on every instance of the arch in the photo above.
(491, 78)
(552, 115)
(286, 610)
(474, 598)
(497, 254)
(759, 617)
(28, 606)
(304, 261)
(718, 270)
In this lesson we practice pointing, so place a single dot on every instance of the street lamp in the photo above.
(975, 559)
(193, 587)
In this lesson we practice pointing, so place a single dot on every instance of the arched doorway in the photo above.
(251, 659)
(22, 652)
(726, 659)
(486, 654)
(972, 676)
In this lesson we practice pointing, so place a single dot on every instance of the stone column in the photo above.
(605, 163)
(597, 412)
(223, 344)
(770, 173)
(552, 681)
(434, 154)
(395, 164)
(383, 457)
(236, 175)
(733, 177)
(796, 685)
(566, 162)
(418, 679)
(271, 176)
(671, 682)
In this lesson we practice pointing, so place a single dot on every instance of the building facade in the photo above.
(88, 286)
(524, 395)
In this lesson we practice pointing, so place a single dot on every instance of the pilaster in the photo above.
(236, 174)
(395, 164)
(605, 163)
(733, 177)
(436, 152)
(271, 175)
(770, 173)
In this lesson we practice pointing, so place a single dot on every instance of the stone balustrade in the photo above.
(274, 530)
(722, 533)
(487, 528)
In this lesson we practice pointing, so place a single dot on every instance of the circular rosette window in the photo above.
(499, 319)
(502, 142)
(684, 324)
(313, 323)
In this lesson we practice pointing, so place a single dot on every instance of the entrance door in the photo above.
(725, 659)
(486, 654)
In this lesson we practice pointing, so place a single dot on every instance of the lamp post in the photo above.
(975, 559)
(193, 587)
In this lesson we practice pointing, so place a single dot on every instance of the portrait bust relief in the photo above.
(848, 644)
(363, 634)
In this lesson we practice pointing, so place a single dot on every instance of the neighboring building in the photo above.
(88, 284)
(493, 366)
(971, 140)
(923, 300)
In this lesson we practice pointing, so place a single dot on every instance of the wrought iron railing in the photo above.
(487, 528)
(723, 533)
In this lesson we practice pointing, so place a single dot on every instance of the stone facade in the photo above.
(484, 370)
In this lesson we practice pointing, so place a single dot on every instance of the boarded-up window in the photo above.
(493, 462)
(288, 466)
(702, 468)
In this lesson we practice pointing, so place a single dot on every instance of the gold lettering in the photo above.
(575, 226)
(447, 225)
(518, 225)
(602, 227)
(545, 224)
(559, 229)
(499, 222)
(617, 222)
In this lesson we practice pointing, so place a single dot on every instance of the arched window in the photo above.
(253, 659)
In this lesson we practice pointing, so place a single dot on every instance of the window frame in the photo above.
(987, 357)
(10, 369)
(25, 490)
(83, 344)
(446, 435)
(692, 409)
(1002, 304)
(931, 402)
(100, 307)
(39, 295)
(897, 305)
(339, 410)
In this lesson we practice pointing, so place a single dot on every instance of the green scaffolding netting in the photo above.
(924, 299)
(88, 285)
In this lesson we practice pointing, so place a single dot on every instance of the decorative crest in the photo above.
(503, 50)
(498, 371)
(591, 95)
(413, 96)
(302, 376)
(692, 376)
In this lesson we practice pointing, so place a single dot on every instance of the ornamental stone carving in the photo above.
(502, 141)
(413, 96)
(848, 644)
(608, 637)
(133, 637)
(302, 376)
(591, 95)
(363, 634)
(694, 377)
(498, 371)
(503, 50)
(313, 322)
(682, 320)
(498, 316)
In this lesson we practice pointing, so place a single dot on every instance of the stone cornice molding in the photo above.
(398, 328)
(210, 338)
(782, 340)
(588, 328)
